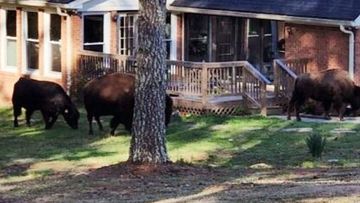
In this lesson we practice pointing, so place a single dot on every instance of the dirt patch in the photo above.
(181, 183)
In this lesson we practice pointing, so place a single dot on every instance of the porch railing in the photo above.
(201, 79)
(284, 79)
(286, 72)
(218, 79)
(298, 66)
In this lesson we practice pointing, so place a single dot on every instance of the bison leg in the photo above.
(290, 107)
(298, 105)
(90, 118)
(97, 118)
(17, 112)
(114, 123)
(46, 117)
(28, 114)
(340, 108)
(52, 120)
(327, 106)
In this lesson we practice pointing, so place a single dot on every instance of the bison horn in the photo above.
(66, 111)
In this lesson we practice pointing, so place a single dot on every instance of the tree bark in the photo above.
(148, 144)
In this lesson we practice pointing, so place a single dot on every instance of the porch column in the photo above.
(173, 36)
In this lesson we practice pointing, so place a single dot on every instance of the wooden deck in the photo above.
(200, 87)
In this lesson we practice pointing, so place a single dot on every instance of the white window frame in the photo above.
(47, 47)
(125, 38)
(4, 40)
(26, 69)
(106, 31)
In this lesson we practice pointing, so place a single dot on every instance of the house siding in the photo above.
(327, 47)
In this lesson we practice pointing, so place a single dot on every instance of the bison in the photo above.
(48, 97)
(113, 95)
(330, 87)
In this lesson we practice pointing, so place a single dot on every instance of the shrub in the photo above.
(316, 144)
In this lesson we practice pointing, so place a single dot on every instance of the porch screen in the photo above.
(55, 42)
(94, 32)
(11, 52)
(198, 37)
(32, 41)
(167, 39)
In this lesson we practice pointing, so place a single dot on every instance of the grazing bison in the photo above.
(48, 97)
(113, 95)
(330, 87)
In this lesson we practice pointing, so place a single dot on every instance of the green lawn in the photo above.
(231, 142)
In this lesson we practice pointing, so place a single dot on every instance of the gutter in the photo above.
(351, 50)
(69, 51)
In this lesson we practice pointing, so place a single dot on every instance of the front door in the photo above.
(260, 44)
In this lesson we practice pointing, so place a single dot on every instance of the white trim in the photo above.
(107, 33)
(293, 19)
(357, 22)
(107, 5)
(351, 50)
(173, 36)
(4, 40)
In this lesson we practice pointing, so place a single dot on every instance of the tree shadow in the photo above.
(24, 146)
(275, 147)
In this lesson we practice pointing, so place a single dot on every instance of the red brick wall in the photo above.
(113, 35)
(327, 46)
(357, 57)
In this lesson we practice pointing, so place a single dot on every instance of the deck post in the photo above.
(276, 80)
(244, 90)
(233, 85)
(204, 83)
(263, 108)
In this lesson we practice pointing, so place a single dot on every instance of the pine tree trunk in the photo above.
(148, 144)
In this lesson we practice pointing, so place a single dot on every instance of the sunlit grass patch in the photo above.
(233, 142)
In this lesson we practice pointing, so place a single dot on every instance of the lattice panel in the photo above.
(221, 111)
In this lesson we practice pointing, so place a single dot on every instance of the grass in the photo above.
(232, 142)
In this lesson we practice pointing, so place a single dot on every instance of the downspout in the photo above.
(351, 50)
(68, 48)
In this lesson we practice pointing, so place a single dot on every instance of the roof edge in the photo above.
(34, 3)
(295, 19)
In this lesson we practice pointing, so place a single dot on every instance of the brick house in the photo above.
(41, 39)
(48, 40)
(259, 31)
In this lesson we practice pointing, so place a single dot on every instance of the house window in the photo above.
(11, 51)
(32, 41)
(127, 34)
(94, 32)
(55, 43)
